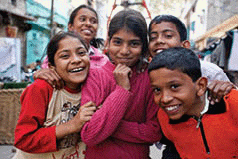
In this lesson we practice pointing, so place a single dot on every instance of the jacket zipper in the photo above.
(202, 132)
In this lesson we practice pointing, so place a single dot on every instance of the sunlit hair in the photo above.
(133, 21)
(180, 26)
(53, 45)
(178, 58)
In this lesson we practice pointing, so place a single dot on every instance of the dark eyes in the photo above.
(64, 56)
(132, 43)
(152, 38)
(165, 35)
(91, 20)
(173, 87)
(168, 36)
(116, 42)
(156, 91)
(82, 53)
(135, 43)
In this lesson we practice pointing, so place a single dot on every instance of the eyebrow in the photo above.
(166, 30)
(78, 48)
(118, 38)
(85, 15)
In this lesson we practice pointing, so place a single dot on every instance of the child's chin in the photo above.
(175, 117)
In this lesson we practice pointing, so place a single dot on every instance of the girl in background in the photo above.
(84, 21)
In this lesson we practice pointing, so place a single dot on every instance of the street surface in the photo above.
(7, 152)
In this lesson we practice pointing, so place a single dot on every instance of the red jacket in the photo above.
(216, 137)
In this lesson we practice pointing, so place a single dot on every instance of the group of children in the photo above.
(111, 109)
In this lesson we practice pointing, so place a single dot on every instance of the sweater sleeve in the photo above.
(30, 135)
(213, 72)
(146, 132)
(105, 121)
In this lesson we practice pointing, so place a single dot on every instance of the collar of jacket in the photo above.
(217, 108)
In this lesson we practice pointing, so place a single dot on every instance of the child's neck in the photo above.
(203, 105)
(73, 89)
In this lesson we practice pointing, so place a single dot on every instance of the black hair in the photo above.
(134, 21)
(53, 45)
(178, 58)
(96, 42)
(181, 28)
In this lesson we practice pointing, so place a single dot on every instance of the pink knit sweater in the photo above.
(126, 124)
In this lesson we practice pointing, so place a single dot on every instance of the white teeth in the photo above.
(76, 70)
(158, 51)
(171, 108)
(87, 31)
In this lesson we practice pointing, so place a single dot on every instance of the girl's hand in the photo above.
(75, 125)
(84, 114)
(50, 76)
(122, 74)
(218, 89)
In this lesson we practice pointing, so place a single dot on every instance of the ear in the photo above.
(201, 86)
(186, 44)
(70, 27)
(51, 66)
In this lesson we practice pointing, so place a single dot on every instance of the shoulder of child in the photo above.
(210, 66)
(100, 77)
(212, 71)
(40, 84)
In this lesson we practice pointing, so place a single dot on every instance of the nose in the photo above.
(87, 22)
(160, 39)
(76, 59)
(125, 50)
(166, 98)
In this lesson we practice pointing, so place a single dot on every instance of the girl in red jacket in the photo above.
(50, 120)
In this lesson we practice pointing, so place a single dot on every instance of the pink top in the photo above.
(126, 125)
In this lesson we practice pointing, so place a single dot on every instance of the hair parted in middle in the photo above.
(135, 22)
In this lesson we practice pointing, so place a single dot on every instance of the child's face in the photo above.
(71, 62)
(125, 48)
(175, 92)
(85, 23)
(163, 36)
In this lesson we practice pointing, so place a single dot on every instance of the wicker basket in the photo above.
(9, 111)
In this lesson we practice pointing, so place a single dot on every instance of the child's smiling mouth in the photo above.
(76, 70)
(173, 109)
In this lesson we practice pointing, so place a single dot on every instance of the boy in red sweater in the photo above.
(197, 129)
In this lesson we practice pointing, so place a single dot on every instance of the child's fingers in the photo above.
(218, 89)
(89, 104)
(86, 116)
(100, 106)
(88, 110)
